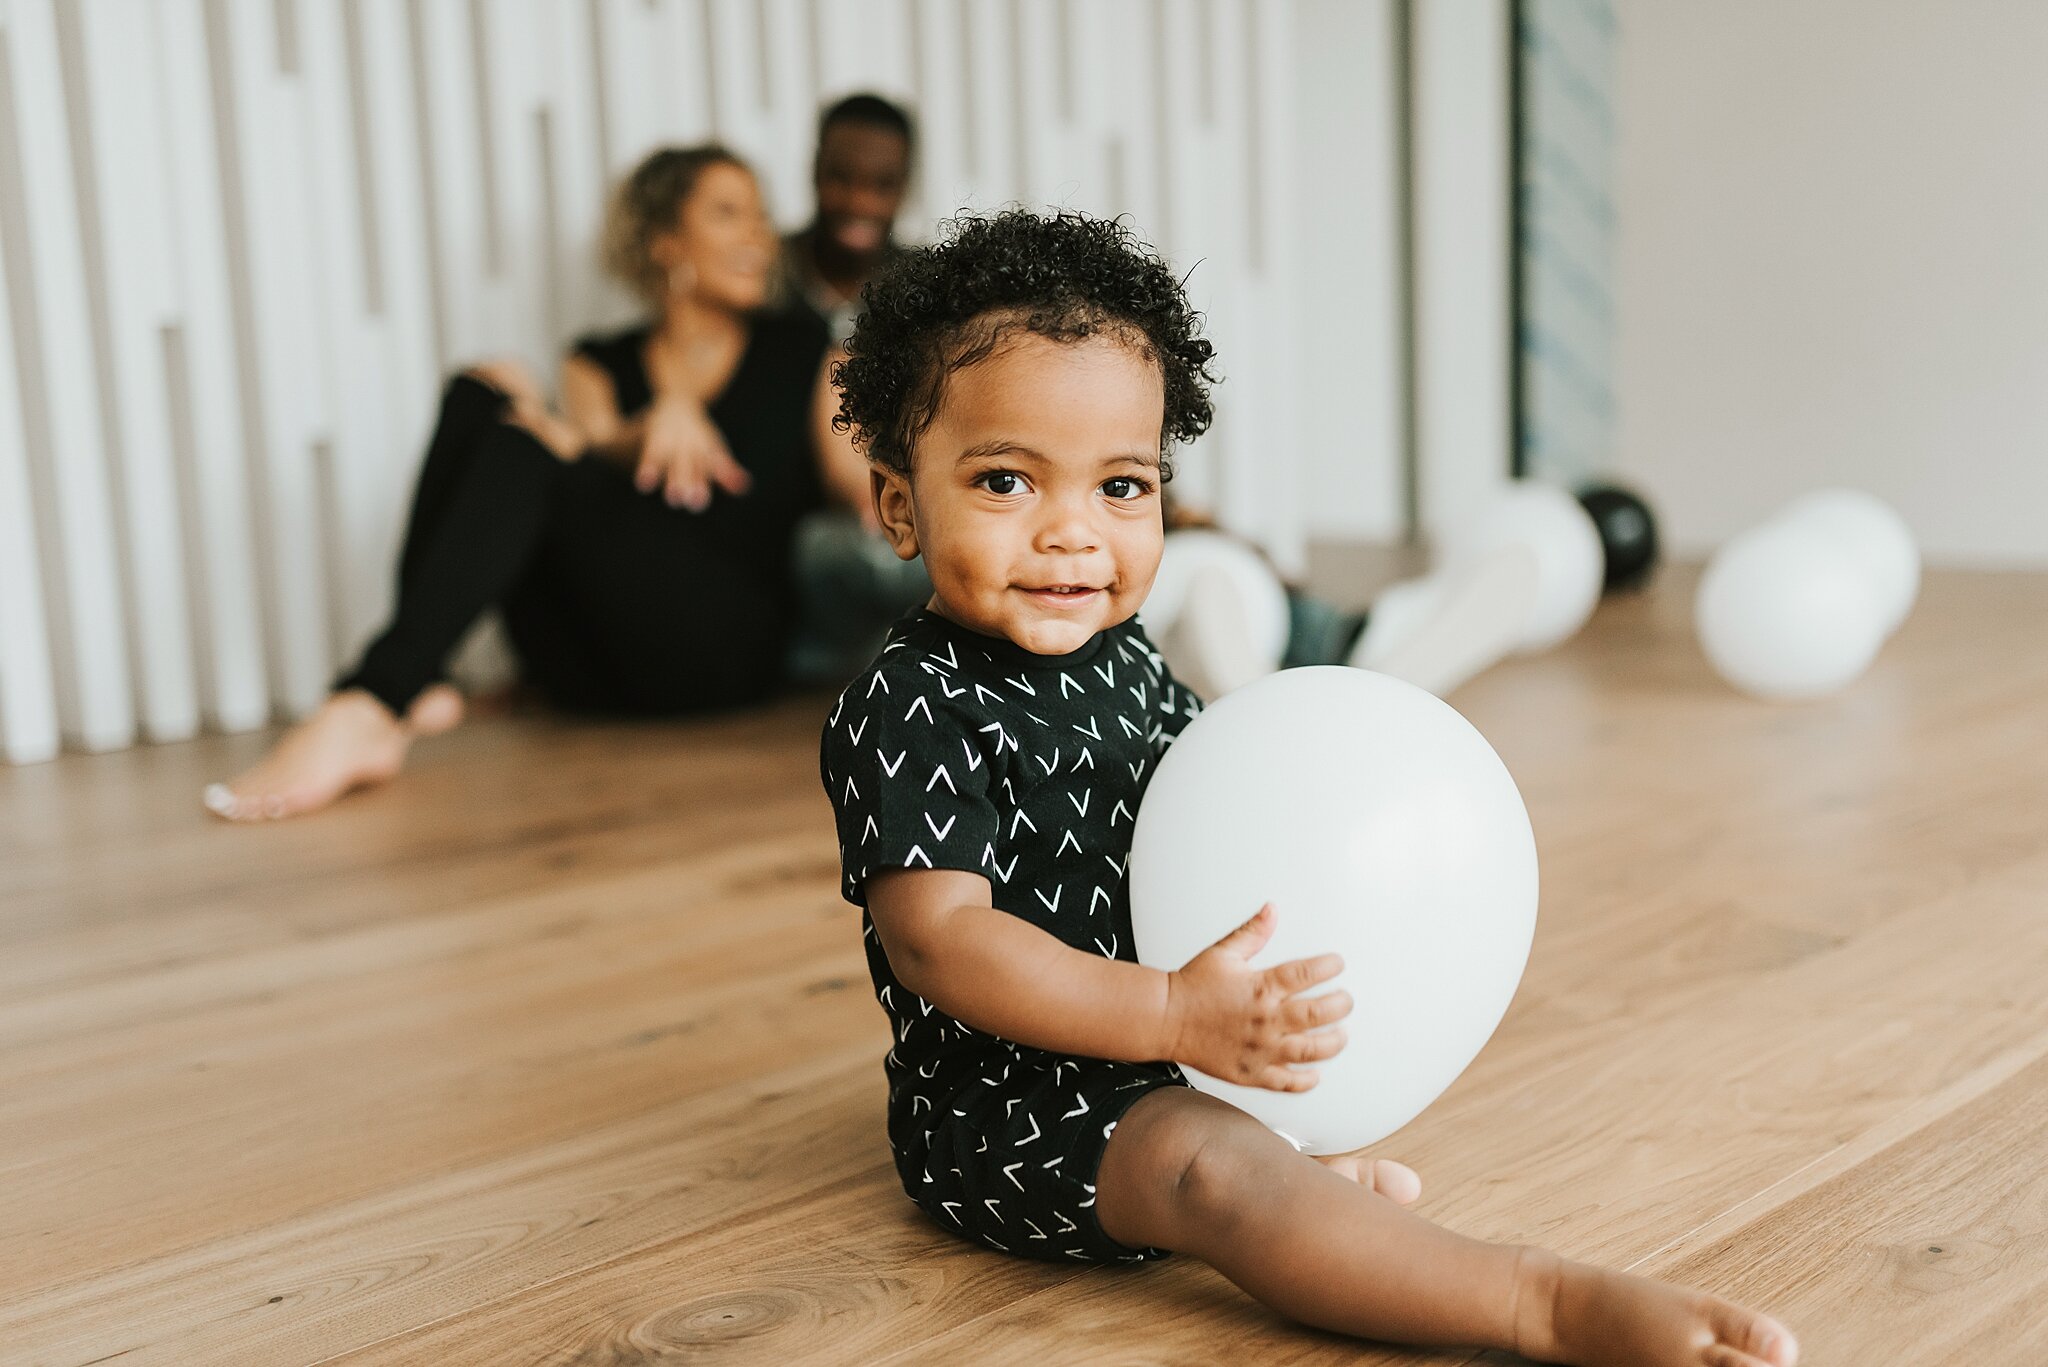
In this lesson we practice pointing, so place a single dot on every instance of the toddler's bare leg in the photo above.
(1187, 1172)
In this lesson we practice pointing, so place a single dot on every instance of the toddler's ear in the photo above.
(892, 507)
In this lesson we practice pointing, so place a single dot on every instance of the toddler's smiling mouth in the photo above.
(1063, 595)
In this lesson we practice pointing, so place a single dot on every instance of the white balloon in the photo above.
(1382, 826)
(1570, 563)
(1189, 552)
(1783, 613)
(1870, 531)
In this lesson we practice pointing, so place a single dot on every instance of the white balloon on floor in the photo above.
(1381, 826)
(1570, 563)
(1188, 553)
(1798, 606)
(1871, 532)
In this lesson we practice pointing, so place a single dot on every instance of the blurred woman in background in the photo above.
(638, 539)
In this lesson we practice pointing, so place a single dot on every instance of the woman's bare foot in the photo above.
(1599, 1318)
(1395, 1181)
(353, 740)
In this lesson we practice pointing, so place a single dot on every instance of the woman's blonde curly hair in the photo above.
(645, 206)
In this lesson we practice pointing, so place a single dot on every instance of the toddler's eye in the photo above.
(1124, 486)
(1001, 482)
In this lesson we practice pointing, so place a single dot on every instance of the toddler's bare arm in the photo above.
(997, 972)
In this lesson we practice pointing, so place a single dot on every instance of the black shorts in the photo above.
(1008, 1154)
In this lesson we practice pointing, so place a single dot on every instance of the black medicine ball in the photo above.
(1628, 533)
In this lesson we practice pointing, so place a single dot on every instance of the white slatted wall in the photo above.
(244, 239)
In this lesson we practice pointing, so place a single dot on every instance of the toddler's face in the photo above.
(1034, 494)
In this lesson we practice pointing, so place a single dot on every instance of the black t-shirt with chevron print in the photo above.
(956, 750)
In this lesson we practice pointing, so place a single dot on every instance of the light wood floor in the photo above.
(562, 1049)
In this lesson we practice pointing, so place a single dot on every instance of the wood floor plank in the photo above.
(562, 1049)
(766, 1290)
(428, 1066)
(356, 1272)
(1941, 1240)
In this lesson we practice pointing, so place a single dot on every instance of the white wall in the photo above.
(1463, 235)
(1352, 380)
(1833, 263)
(240, 240)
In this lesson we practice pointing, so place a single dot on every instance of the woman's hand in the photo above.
(1247, 1025)
(527, 408)
(552, 430)
(683, 455)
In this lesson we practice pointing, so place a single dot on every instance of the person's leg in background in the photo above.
(1223, 616)
(1320, 632)
(1218, 610)
(479, 511)
(482, 505)
(635, 608)
(850, 587)
(1439, 631)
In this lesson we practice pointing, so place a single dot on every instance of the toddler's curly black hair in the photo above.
(1064, 276)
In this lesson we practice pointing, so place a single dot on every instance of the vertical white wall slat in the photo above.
(95, 701)
(678, 65)
(735, 68)
(272, 279)
(1217, 286)
(1348, 311)
(517, 281)
(943, 120)
(784, 160)
(1266, 482)
(1462, 234)
(1040, 123)
(579, 180)
(379, 493)
(455, 192)
(204, 382)
(110, 70)
(346, 438)
(28, 689)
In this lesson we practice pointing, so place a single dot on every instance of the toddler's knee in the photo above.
(1208, 1179)
(1214, 1178)
(1182, 1171)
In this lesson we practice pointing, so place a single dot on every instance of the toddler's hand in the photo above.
(1245, 1024)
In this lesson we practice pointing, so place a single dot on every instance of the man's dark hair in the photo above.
(871, 110)
(1063, 276)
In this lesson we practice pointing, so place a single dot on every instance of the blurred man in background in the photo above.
(860, 175)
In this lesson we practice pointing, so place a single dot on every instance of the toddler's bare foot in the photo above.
(438, 710)
(351, 741)
(1395, 1181)
(1599, 1318)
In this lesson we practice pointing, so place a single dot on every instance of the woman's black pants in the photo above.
(613, 601)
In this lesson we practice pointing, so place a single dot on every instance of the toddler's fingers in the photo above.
(1251, 937)
(1306, 1013)
(1299, 975)
(1280, 1078)
(1314, 1046)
